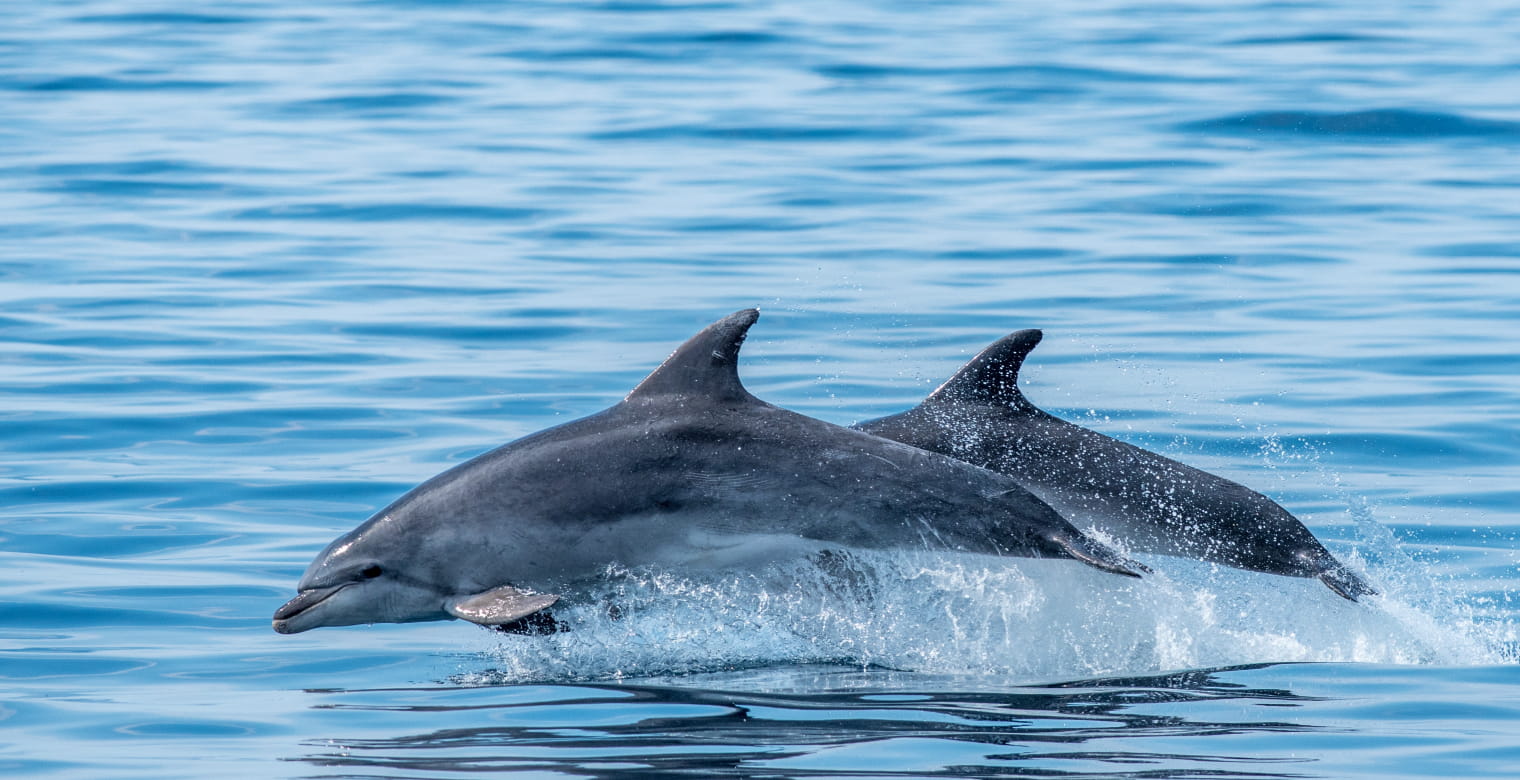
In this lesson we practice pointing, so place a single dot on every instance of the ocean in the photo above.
(264, 266)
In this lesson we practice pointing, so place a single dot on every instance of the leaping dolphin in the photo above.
(1149, 502)
(689, 471)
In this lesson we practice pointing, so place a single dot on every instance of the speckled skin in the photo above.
(1149, 502)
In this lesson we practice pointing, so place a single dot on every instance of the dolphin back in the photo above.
(743, 458)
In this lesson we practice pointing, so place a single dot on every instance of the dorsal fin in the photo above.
(992, 377)
(707, 365)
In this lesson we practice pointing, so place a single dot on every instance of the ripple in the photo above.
(738, 38)
(389, 212)
(1312, 37)
(110, 84)
(151, 188)
(1495, 249)
(454, 333)
(45, 665)
(769, 133)
(377, 105)
(1074, 74)
(593, 54)
(1408, 448)
(167, 18)
(123, 168)
(1381, 123)
(1228, 204)
(867, 727)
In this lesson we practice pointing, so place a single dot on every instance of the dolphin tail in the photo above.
(1346, 583)
(1100, 556)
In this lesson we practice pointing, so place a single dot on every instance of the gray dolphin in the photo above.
(689, 471)
(1149, 502)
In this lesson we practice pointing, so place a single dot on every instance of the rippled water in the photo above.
(264, 266)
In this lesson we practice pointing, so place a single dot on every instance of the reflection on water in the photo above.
(868, 726)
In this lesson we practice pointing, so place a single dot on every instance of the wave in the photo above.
(1018, 619)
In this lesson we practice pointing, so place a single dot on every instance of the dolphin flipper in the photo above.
(1100, 556)
(499, 606)
(1346, 583)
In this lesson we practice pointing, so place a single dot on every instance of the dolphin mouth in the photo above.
(303, 602)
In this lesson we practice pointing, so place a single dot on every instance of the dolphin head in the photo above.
(382, 573)
(360, 578)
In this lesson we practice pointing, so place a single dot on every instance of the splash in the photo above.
(1018, 619)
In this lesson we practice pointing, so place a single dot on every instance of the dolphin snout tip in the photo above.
(294, 616)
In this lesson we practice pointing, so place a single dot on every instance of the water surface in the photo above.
(265, 266)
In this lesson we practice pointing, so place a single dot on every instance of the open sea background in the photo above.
(266, 265)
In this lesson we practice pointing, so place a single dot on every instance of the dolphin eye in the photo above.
(370, 572)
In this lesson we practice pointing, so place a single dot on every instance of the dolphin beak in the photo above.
(303, 601)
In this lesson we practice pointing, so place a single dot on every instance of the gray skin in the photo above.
(691, 472)
(1148, 502)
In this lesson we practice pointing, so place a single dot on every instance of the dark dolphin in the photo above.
(690, 471)
(1149, 502)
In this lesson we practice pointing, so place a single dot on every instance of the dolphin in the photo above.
(1147, 502)
(689, 472)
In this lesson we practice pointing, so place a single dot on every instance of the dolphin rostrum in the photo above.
(1148, 502)
(690, 471)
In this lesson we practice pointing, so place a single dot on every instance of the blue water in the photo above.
(264, 266)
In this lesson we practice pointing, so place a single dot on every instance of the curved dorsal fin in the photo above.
(992, 377)
(707, 365)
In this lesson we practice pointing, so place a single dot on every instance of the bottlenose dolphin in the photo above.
(690, 471)
(1148, 502)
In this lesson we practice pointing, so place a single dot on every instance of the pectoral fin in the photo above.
(499, 606)
(1344, 581)
(1100, 556)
